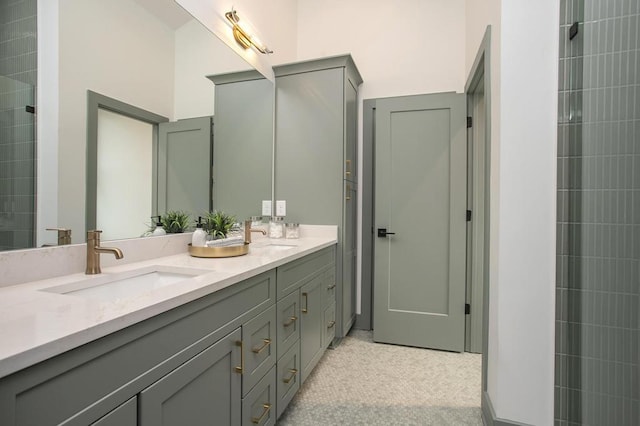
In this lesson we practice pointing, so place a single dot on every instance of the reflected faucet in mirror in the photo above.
(64, 235)
(94, 250)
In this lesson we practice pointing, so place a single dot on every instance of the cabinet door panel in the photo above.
(288, 378)
(288, 319)
(124, 415)
(259, 406)
(203, 391)
(312, 327)
(259, 341)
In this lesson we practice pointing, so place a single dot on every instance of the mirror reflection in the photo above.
(149, 54)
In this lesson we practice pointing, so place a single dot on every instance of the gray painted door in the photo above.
(420, 193)
(184, 166)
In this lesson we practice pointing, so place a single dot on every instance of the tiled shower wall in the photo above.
(598, 277)
(18, 71)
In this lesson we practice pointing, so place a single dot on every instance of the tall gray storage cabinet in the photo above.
(316, 167)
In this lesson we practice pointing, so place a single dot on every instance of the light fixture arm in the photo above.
(242, 37)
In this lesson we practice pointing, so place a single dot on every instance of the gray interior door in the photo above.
(420, 194)
(184, 166)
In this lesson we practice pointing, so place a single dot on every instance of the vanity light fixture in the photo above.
(242, 37)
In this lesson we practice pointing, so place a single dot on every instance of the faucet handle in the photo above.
(64, 235)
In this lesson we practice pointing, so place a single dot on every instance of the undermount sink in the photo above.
(276, 246)
(126, 284)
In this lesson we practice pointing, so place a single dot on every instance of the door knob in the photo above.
(382, 232)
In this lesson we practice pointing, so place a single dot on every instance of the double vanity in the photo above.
(172, 339)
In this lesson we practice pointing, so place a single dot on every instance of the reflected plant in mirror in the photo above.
(175, 222)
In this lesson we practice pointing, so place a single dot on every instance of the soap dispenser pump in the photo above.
(199, 237)
(159, 229)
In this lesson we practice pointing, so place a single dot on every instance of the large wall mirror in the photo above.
(149, 54)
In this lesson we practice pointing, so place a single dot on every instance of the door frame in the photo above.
(96, 101)
(480, 70)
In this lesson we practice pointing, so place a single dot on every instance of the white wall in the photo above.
(523, 183)
(400, 48)
(199, 53)
(117, 49)
(47, 124)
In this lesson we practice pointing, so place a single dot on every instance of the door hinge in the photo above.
(469, 122)
(467, 309)
(30, 109)
(468, 215)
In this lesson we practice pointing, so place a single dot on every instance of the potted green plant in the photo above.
(218, 224)
(175, 222)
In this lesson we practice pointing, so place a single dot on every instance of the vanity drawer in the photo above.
(259, 341)
(329, 319)
(259, 406)
(330, 287)
(288, 320)
(294, 274)
(288, 378)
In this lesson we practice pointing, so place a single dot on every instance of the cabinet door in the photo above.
(205, 390)
(351, 132)
(349, 254)
(288, 319)
(258, 344)
(311, 324)
(124, 415)
(259, 406)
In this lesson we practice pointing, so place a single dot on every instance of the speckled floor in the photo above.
(367, 383)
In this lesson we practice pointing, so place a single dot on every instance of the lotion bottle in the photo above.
(199, 237)
(159, 229)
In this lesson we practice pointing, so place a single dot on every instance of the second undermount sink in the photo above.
(276, 246)
(115, 286)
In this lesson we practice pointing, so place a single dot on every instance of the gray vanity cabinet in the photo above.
(316, 164)
(242, 142)
(305, 289)
(204, 390)
(214, 360)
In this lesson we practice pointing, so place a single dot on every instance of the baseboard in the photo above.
(489, 415)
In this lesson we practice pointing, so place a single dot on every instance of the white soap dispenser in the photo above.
(199, 237)
(159, 229)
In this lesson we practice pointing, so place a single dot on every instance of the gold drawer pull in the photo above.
(266, 342)
(258, 420)
(240, 369)
(331, 287)
(306, 303)
(292, 319)
(348, 168)
(293, 372)
(331, 324)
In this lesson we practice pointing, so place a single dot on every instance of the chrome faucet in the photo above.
(94, 250)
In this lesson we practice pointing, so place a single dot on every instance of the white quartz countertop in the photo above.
(36, 324)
